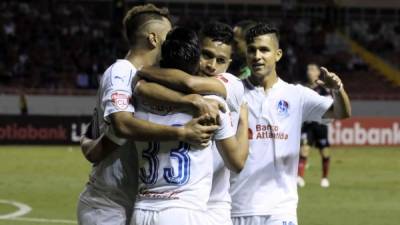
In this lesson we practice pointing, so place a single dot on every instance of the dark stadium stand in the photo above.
(369, 85)
(63, 48)
(383, 38)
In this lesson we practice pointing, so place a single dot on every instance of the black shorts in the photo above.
(315, 134)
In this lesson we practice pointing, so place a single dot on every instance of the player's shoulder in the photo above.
(121, 65)
(228, 77)
(233, 82)
(294, 88)
(303, 89)
(120, 72)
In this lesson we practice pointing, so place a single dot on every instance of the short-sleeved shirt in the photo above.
(172, 173)
(117, 173)
(267, 183)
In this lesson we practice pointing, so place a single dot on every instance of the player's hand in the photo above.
(195, 133)
(208, 107)
(329, 80)
(88, 148)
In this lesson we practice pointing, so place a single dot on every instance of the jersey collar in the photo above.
(277, 85)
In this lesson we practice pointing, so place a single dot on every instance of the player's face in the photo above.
(240, 42)
(262, 55)
(215, 57)
(313, 73)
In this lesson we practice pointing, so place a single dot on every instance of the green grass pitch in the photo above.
(365, 186)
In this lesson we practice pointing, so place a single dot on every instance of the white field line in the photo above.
(23, 209)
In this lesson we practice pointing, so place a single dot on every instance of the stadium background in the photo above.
(53, 51)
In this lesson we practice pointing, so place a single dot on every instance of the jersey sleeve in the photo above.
(234, 91)
(226, 129)
(314, 105)
(117, 95)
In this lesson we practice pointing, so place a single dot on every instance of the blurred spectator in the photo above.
(23, 104)
(82, 80)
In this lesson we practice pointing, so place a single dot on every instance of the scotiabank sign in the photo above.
(361, 131)
(42, 129)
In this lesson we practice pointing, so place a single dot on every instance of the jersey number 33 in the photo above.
(179, 175)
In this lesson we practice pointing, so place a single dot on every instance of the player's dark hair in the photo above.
(245, 24)
(260, 29)
(218, 31)
(181, 50)
(139, 15)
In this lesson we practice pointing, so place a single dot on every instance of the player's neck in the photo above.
(267, 81)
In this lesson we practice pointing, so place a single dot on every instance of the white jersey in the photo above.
(267, 183)
(219, 197)
(234, 91)
(117, 173)
(175, 174)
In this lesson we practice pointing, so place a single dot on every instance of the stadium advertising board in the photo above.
(42, 130)
(365, 131)
(59, 130)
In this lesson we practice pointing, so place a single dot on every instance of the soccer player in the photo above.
(109, 195)
(216, 50)
(175, 177)
(314, 134)
(265, 192)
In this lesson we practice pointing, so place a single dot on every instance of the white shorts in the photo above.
(89, 215)
(170, 216)
(94, 209)
(219, 216)
(265, 220)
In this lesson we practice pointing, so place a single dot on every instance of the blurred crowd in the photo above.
(380, 37)
(68, 47)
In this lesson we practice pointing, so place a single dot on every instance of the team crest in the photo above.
(120, 100)
(283, 108)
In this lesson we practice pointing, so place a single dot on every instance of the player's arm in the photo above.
(341, 107)
(95, 146)
(88, 144)
(181, 81)
(195, 104)
(234, 150)
(127, 126)
(97, 149)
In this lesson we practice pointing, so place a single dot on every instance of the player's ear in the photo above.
(279, 54)
(152, 39)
